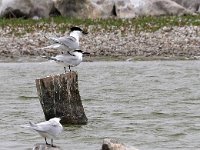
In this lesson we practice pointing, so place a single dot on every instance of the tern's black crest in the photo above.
(76, 29)
(78, 50)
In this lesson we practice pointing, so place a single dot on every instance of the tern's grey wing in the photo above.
(47, 127)
(43, 127)
(69, 42)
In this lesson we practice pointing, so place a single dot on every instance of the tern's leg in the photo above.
(46, 141)
(52, 143)
(65, 69)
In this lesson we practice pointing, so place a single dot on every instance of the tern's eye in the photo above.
(54, 125)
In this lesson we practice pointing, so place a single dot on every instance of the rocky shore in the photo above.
(121, 44)
(96, 8)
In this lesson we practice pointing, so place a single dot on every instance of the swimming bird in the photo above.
(67, 43)
(70, 59)
(48, 129)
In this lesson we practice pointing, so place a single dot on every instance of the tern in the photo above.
(67, 43)
(48, 129)
(70, 59)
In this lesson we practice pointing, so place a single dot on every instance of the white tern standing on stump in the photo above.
(48, 129)
(70, 59)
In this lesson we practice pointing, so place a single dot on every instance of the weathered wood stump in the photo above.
(59, 97)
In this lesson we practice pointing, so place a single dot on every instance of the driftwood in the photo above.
(59, 97)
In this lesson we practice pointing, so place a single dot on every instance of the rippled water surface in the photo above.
(150, 105)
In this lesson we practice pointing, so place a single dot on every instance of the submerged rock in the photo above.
(111, 144)
(41, 146)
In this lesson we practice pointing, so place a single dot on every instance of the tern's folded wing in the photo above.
(42, 127)
(51, 128)
(47, 127)
(66, 58)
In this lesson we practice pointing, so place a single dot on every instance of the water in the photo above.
(151, 105)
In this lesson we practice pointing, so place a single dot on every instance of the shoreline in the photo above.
(120, 42)
(36, 59)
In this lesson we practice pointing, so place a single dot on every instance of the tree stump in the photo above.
(59, 97)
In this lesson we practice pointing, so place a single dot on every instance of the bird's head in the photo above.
(78, 30)
(80, 51)
(55, 119)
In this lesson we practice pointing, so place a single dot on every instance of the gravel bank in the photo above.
(166, 43)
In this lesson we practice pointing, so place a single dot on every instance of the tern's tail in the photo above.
(52, 39)
(54, 43)
(49, 58)
(30, 125)
(25, 126)
(53, 46)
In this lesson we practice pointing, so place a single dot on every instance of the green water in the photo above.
(151, 105)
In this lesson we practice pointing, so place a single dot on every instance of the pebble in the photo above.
(165, 42)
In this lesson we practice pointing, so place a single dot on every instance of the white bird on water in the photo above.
(67, 43)
(48, 129)
(70, 59)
